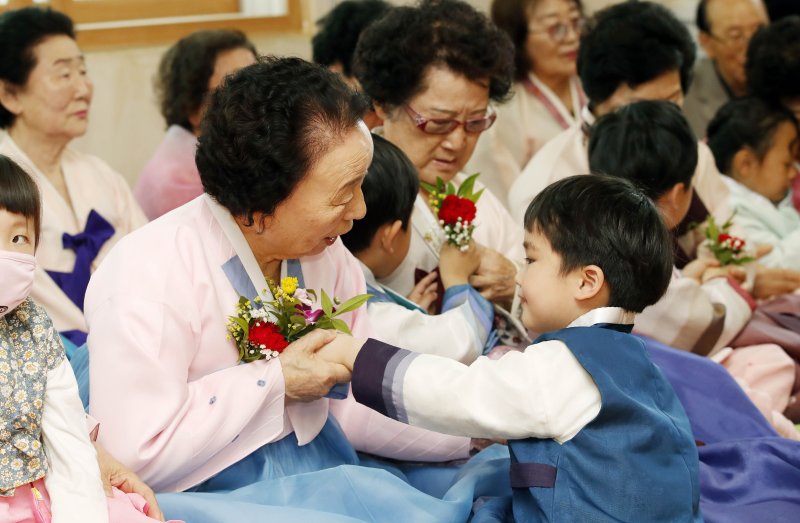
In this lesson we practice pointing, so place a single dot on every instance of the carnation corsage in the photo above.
(455, 209)
(263, 329)
(726, 248)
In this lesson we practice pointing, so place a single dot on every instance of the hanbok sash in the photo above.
(552, 103)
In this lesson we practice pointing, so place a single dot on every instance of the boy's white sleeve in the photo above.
(542, 392)
(73, 478)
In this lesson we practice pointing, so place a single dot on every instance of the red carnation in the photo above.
(722, 238)
(267, 334)
(455, 207)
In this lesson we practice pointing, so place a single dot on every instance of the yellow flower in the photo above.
(289, 285)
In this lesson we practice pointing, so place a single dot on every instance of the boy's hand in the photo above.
(424, 293)
(342, 350)
(456, 266)
(496, 276)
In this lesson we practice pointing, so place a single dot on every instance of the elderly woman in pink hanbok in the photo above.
(282, 155)
(45, 95)
(188, 72)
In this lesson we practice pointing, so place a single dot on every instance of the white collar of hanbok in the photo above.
(616, 315)
(237, 240)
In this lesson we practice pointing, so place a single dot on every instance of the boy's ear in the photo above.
(591, 282)
(8, 98)
(743, 164)
(387, 234)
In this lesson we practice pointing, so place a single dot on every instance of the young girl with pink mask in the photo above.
(48, 467)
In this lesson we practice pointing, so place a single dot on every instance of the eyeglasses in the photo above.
(448, 125)
(737, 36)
(559, 31)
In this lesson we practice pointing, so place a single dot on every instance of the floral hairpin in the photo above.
(262, 330)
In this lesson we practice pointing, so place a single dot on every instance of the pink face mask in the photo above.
(16, 279)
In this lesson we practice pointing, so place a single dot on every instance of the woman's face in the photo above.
(553, 34)
(324, 203)
(445, 95)
(55, 100)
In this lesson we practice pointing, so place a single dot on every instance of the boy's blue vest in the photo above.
(635, 462)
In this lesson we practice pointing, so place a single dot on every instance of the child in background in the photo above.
(48, 467)
(755, 144)
(381, 240)
(592, 425)
(704, 309)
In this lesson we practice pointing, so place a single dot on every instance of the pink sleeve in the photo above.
(173, 424)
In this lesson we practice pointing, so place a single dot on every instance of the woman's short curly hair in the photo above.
(267, 126)
(512, 17)
(394, 53)
(773, 61)
(21, 30)
(185, 69)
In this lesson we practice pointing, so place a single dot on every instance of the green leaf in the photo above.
(352, 304)
(327, 306)
(477, 195)
(341, 326)
(465, 190)
(312, 294)
(427, 187)
(241, 323)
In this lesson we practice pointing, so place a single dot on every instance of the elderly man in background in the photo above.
(725, 28)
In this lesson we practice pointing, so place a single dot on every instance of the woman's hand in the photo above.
(495, 278)
(424, 293)
(115, 474)
(773, 282)
(307, 376)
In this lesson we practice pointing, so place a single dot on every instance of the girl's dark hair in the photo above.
(394, 53)
(745, 122)
(390, 189)
(21, 30)
(267, 126)
(186, 68)
(608, 222)
(512, 17)
(649, 143)
(19, 194)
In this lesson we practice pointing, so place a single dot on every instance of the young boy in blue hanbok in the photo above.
(381, 241)
(595, 431)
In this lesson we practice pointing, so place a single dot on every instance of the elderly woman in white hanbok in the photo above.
(86, 206)
(548, 97)
(282, 156)
(431, 72)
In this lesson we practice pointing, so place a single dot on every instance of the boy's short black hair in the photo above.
(608, 222)
(773, 61)
(390, 188)
(649, 143)
(745, 122)
(19, 194)
(339, 31)
(631, 44)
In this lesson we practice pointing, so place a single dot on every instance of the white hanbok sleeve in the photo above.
(543, 392)
(73, 479)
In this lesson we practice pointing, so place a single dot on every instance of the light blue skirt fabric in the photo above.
(326, 481)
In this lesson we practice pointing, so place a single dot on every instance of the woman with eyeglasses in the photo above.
(547, 93)
(432, 72)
